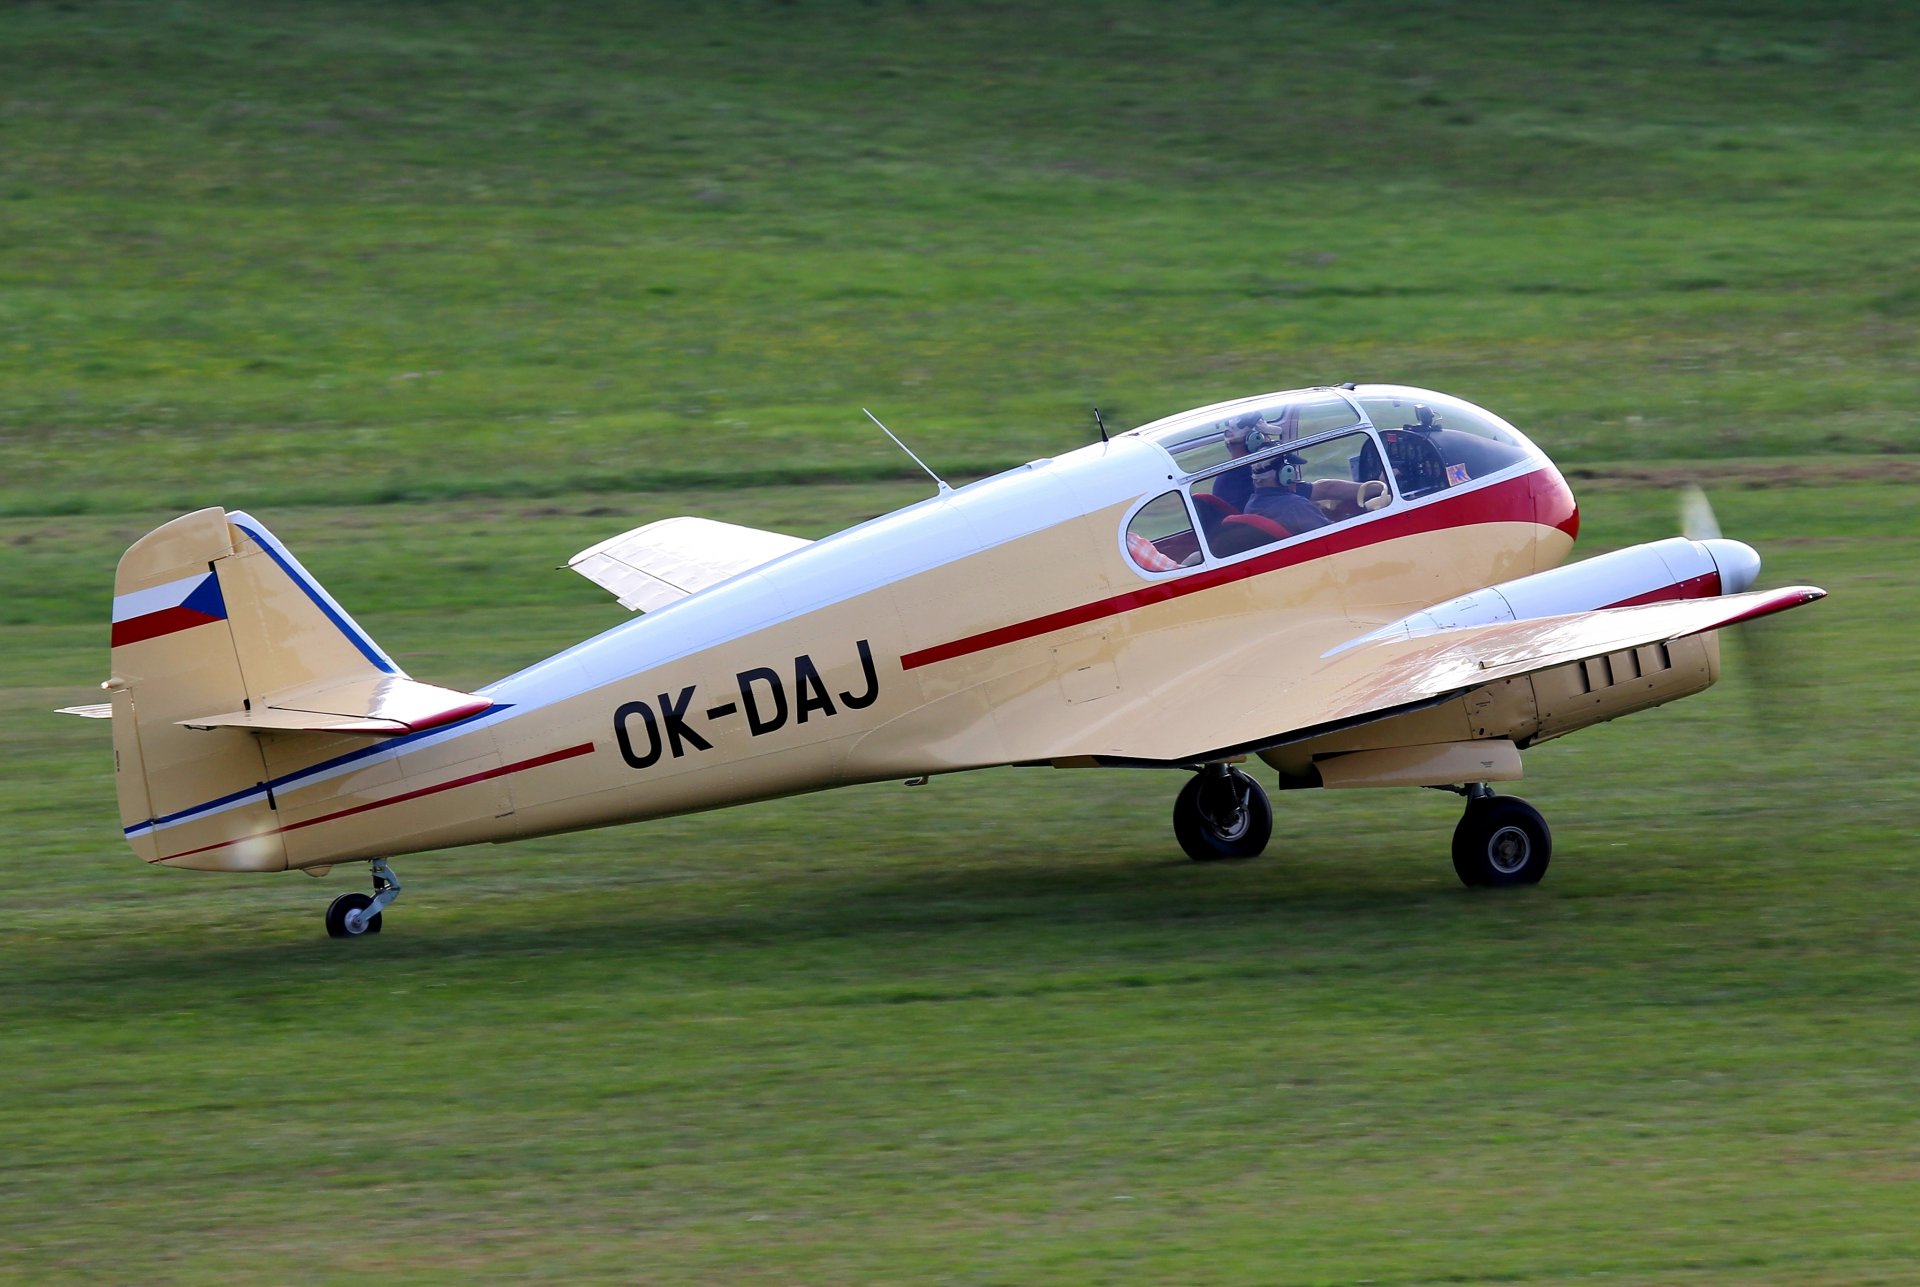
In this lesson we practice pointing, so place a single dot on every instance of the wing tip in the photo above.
(1768, 602)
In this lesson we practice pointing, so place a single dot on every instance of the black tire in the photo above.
(1214, 820)
(1501, 840)
(337, 915)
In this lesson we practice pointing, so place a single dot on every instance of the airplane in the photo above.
(1360, 585)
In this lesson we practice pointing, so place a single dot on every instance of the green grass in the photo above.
(995, 1029)
(330, 254)
(444, 293)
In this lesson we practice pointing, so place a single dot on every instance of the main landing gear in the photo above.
(1222, 813)
(1501, 840)
(351, 915)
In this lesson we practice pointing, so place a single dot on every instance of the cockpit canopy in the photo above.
(1262, 470)
(1433, 441)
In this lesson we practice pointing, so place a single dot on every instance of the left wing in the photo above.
(1230, 709)
(655, 564)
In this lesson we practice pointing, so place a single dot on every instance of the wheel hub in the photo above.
(1237, 819)
(1508, 850)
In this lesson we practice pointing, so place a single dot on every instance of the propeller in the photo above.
(1697, 520)
(1768, 671)
(1739, 563)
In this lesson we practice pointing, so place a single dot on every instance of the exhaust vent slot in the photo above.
(1600, 673)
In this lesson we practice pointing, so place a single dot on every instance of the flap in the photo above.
(1233, 708)
(382, 707)
(655, 564)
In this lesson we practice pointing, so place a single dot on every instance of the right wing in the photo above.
(1244, 703)
(655, 564)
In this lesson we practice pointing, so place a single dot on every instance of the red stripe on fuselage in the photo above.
(551, 757)
(164, 622)
(1511, 501)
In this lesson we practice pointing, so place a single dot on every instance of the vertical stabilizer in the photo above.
(196, 798)
(221, 638)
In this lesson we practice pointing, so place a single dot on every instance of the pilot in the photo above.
(1279, 494)
(1273, 488)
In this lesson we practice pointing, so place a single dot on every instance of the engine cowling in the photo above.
(1676, 568)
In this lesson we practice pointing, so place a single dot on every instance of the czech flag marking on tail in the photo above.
(167, 609)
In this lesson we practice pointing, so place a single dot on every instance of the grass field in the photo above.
(445, 293)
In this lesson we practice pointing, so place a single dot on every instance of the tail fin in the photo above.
(220, 634)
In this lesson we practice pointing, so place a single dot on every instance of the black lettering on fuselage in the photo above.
(813, 693)
(763, 700)
(867, 698)
(620, 718)
(673, 712)
(757, 721)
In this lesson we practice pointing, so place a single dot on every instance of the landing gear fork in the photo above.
(352, 915)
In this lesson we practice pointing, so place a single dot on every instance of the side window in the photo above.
(1161, 538)
(1320, 485)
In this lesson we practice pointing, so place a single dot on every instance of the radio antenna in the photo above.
(937, 480)
(1103, 424)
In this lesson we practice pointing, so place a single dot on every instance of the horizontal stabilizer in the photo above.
(658, 563)
(98, 710)
(381, 707)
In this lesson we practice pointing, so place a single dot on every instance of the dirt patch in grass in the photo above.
(1762, 473)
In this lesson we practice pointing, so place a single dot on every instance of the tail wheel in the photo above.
(1501, 840)
(342, 925)
(1222, 813)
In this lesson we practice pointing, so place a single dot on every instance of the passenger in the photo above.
(1235, 487)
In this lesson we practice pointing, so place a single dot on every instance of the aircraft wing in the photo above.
(1253, 703)
(655, 564)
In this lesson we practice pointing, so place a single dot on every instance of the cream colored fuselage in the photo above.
(999, 624)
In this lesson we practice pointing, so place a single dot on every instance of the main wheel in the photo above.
(1501, 840)
(337, 916)
(1218, 817)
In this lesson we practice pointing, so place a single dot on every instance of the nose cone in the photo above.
(1738, 563)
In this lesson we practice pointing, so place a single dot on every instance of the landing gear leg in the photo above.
(1222, 813)
(1501, 840)
(352, 915)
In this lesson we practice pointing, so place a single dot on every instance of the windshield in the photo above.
(1434, 442)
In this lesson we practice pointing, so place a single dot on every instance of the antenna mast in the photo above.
(937, 480)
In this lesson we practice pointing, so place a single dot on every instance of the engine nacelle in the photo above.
(1676, 568)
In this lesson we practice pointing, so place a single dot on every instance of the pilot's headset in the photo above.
(1286, 470)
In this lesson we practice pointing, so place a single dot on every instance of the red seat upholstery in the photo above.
(1242, 532)
(1220, 505)
(1260, 523)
